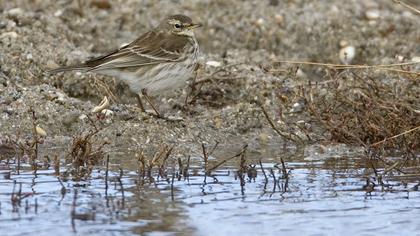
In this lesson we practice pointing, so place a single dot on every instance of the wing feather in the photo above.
(151, 48)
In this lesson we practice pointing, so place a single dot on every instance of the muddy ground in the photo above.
(243, 37)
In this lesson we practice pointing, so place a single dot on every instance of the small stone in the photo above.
(29, 57)
(279, 19)
(343, 43)
(40, 131)
(400, 58)
(301, 74)
(297, 107)
(58, 13)
(51, 64)
(3, 24)
(416, 59)
(11, 24)
(83, 117)
(11, 34)
(213, 63)
(372, 14)
(347, 54)
(61, 97)
(218, 121)
(407, 14)
(15, 12)
(174, 118)
(260, 22)
(107, 112)
(5, 117)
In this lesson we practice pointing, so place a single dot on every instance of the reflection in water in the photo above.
(40, 204)
(318, 201)
(331, 196)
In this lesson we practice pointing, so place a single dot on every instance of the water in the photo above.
(319, 197)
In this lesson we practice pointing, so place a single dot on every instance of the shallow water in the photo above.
(323, 196)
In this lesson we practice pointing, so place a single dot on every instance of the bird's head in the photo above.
(179, 25)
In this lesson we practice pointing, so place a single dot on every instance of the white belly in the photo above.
(166, 77)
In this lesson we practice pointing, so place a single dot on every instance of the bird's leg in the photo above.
(144, 92)
(192, 87)
(140, 103)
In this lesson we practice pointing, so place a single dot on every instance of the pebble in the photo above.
(301, 74)
(297, 107)
(51, 64)
(416, 59)
(279, 19)
(218, 121)
(107, 112)
(5, 116)
(11, 34)
(213, 63)
(40, 131)
(58, 13)
(260, 22)
(61, 97)
(15, 12)
(3, 24)
(400, 58)
(407, 14)
(347, 54)
(29, 57)
(343, 43)
(372, 14)
(83, 117)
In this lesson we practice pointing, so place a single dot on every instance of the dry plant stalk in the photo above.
(373, 106)
(84, 154)
(361, 110)
(159, 160)
(218, 164)
(380, 115)
(387, 68)
(408, 6)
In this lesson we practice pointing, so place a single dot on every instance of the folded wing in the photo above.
(151, 48)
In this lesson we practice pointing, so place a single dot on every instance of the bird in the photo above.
(161, 59)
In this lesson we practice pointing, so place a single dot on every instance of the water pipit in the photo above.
(160, 60)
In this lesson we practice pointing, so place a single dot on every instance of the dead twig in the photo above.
(285, 135)
(350, 67)
(395, 136)
(407, 6)
(209, 170)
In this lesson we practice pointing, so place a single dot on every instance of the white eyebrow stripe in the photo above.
(173, 22)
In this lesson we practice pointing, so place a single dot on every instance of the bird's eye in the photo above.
(178, 26)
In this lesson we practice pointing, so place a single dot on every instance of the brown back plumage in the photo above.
(156, 46)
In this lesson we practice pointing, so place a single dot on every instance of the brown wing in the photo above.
(151, 48)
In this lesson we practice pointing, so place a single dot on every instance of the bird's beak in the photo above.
(193, 26)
